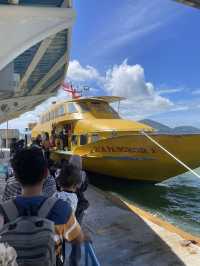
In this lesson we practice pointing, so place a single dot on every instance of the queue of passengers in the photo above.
(59, 138)
(31, 197)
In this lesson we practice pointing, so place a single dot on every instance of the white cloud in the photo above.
(196, 92)
(129, 22)
(169, 91)
(120, 80)
(129, 81)
(77, 72)
(180, 108)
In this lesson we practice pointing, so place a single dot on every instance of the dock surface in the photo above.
(122, 238)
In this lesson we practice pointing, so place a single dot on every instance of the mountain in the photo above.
(156, 125)
(165, 129)
(186, 129)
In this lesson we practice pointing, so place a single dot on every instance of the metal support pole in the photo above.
(119, 106)
(7, 134)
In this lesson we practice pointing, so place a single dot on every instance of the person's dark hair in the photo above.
(70, 175)
(46, 136)
(30, 166)
(38, 140)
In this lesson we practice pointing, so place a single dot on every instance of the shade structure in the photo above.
(34, 52)
(192, 3)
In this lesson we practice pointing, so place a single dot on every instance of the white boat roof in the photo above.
(108, 99)
(33, 62)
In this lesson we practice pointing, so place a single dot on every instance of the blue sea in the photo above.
(176, 200)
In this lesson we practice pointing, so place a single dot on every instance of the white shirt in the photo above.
(70, 197)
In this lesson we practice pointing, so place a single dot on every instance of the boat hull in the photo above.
(135, 157)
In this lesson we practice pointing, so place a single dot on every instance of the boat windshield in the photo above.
(98, 107)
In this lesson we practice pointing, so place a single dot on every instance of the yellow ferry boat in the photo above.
(111, 145)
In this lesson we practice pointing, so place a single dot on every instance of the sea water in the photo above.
(176, 200)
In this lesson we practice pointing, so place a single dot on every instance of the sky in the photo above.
(146, 51)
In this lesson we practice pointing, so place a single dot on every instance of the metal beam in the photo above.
(192, 3)
(36, 59)
(25, 104)
(38, 88)
(56, 84)
(13, 2)
(40, 24)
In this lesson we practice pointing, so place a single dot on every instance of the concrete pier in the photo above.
(123, 238)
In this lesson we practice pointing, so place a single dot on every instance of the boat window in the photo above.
(83, 139)
(56, 113)
(84, 107)
(74, 140)
(61, 110)
(95, 137)
(102, 107)
(52, 115)
(72, 108)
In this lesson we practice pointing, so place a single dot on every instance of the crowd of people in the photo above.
(58, 138)
(49, 191)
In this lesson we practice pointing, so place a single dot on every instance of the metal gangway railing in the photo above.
(90, 256)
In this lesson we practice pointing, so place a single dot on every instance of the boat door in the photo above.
(68, 131)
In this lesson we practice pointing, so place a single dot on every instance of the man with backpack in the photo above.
(33, 224)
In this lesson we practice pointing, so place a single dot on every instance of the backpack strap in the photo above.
(46, 207)
(10, 210)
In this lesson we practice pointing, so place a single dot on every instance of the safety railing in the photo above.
(90, 257)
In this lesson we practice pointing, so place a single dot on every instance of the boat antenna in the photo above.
(75, 92)
(68, 87)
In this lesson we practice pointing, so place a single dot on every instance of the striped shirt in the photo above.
(13, 188)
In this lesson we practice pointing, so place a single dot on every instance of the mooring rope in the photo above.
(170, 154)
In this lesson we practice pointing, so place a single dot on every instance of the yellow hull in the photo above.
(135, 157)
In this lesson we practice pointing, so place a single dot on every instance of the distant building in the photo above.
(26, 133)
(11, 134)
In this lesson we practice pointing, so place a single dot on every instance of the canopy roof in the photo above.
(193, 3)
(52, 3)
(34, 60)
